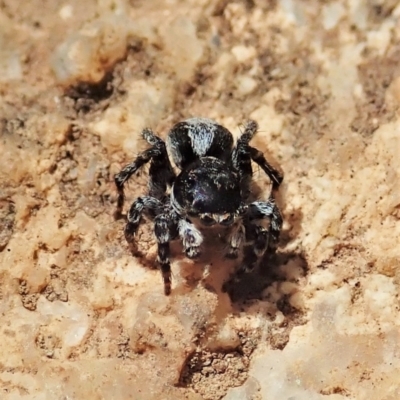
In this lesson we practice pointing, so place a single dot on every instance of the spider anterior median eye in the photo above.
(191, 178)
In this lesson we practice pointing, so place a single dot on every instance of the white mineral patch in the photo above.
(292, 11)
(69, 317)
(380, 39)
(248, 391)
(269, 120)
(10, 67)
(246, 85)
(124, 271)
(66, 11)
(331, 14)
(243, 53)
(294, 372)
(143, 107)
(359, 13)
(86, 55)
(182, 44)
(227, 338)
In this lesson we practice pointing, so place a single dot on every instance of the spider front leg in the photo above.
(191, 238)
(235, 241)
(243, 154)
(267, 209)
(258, 237)
(160, 173)
(273, 174)
(241, 158)
(252, 253)
(163, 233)
(145, 204)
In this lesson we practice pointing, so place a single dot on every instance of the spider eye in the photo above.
(228, 220)
(207, 220)
(191, 179)
(242, 210)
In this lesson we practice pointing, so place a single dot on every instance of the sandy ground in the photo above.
(82, 317)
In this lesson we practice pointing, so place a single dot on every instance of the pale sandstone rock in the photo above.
(325, 323)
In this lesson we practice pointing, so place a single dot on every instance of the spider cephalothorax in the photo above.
(213, 187)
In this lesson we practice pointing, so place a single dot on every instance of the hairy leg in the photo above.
(191, 238)
(235, 241)
(258, 237)
(243, 154)
(163, 236)
(267, 209)
(160, 173)
(144, 204)
(241, 158)
(273, 174)
(254, 249)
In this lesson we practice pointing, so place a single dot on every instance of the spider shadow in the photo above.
(286, 265)
(279, 276)
(265, 283)
(212, 270)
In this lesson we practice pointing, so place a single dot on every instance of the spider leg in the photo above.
(126, 173)
(162, 230)
(160, 173)
(191, 238)
(273, 174)
(267, 209)
(258, 237)
(255, 250)
(243, 154)
(241, 158)
(235, 241)
(144, 204)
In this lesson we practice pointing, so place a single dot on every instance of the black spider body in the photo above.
(212, 188)
(207, 185)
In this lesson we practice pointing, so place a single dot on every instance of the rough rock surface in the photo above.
(83, 318)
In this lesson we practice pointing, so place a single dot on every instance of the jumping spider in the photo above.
(212, 187)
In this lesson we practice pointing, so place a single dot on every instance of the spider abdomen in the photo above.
(195, 138)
